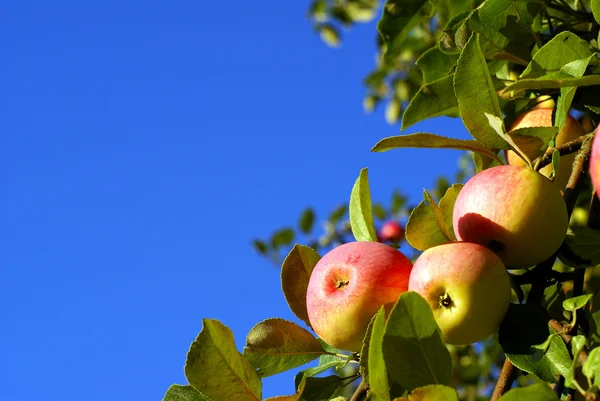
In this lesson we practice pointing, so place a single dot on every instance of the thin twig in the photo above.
(564, 149)
(508, 374)
(361, 391)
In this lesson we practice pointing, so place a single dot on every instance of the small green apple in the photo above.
(467, 287)
(349, 285)
(515, 211)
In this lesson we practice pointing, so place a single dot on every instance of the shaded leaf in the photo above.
(434, 99)
(276, 345)
(282, 237)
(414, 352)
(307, 220)
(524, 327)
(426, 140)
(184, 393)
(435, 64)
(584, 243)
(295, 275)
(476, 95)
(433, 392)
(535, 392)
(260, 246)
(232, 377)
(361, 211)
(320, 388)
(553, 80)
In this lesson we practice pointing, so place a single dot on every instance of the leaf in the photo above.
(495, 13)
(435, 64)
(440, 219)
(476, 95)
(307, 221)
(553, 80)
(562, 49)
(535, 392)
(361, 212)
(572, 304)
(522, 328)
(321, 388)
(398, 19)
(433, 392)
(497, 125)
(414, 352)
(277, 345)
(595, 4)
(184, 393)
(295, 275)
(545, 134)
(379, 211)
(584, 243)
(282, 237)
(577, 344)
(591, 369)
(337, 214)
(260, 246)
(330, 35)
(232, 377)
(576, 69)
(378, 377)
(434, 99)
(426, 140)
(423, 230)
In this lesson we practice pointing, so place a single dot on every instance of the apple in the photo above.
(391, 231)
(349, 285)
(542, 117)
(595, 163)
(515, 211)
(467, 287)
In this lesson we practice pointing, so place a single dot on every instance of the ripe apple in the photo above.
(515, 211)
(349, 285)
(595, 162)
(542, 117)
(467, 287)
(391, 231)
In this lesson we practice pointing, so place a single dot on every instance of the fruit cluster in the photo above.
(505, 217)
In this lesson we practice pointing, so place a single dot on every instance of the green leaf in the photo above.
(476, 95)
(433, 392)
(398, 202)
(260, 246)
(425, 140)
(330, 35)
(535, 392)
(435, 64)
(595, 109)
(307, 220)
(572, 304)
(553, 80)
(577, 344)
(321, 388)
(434, 99)
(576, 69)
(440, 219)
(591, 369)
(379, 211)
(377, 378)
(277, 345)
(282, 237)
(393, 111)
(584, 243)
(337, 214)
(295, 275)
(398, 19)
(595, 4)
(562, 49)
(184, 393)
(495, 12)
(423, 230)
(232, 377)
(361, 212)
(497, 125)
(522, 328)
(414, 352)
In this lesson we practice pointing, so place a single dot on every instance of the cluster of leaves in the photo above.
(485, 62)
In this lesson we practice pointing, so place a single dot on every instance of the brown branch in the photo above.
(361, 391)
(508, 374)
(564, 149)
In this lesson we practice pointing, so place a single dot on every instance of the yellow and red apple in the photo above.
(349, 285)
(467, 287)
(515, 211)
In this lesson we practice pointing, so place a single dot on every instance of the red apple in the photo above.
(467, 287)
(542, 117)
(595, 162)
(349, 285)
(391, 231)
(515, 211)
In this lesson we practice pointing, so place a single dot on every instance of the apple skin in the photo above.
(595, 162)
(542, 117)
(349, 285)
(515, 211)
(391, 231)
(467, 287)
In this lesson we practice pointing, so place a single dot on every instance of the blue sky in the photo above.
(143, 146)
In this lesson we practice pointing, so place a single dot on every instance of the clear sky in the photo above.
(143, 145)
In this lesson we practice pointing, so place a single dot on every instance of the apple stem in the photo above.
(446, 301)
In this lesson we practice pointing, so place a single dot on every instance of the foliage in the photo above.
(485, 62)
